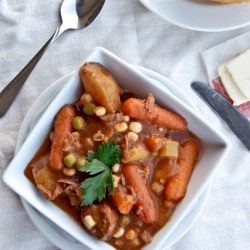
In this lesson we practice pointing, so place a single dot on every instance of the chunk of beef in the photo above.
(100, 220)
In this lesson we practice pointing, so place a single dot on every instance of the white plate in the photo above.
(55, 234)
(201, 15)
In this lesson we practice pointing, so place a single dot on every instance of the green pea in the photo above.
(88, 108)
(69, 160)
(78, 123)
(123, 220)
(81, 161)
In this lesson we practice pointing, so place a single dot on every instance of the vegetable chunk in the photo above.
(99, 82)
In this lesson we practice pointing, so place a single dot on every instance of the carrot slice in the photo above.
(176, 186)
(123, 201)
(62, 127)
(137, 109)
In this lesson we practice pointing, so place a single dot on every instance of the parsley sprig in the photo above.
(98, 166)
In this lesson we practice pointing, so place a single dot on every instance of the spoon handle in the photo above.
(9, 93)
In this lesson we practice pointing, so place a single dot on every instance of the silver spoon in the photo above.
(76, 14)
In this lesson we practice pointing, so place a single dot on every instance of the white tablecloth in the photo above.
(132, 32)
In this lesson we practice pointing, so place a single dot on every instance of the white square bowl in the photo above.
(215, 148)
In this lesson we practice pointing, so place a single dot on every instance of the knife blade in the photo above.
(238, 123)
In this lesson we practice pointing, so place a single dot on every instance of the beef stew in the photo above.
(116, 163)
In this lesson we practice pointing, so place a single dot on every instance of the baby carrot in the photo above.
(137, 109)
(144, 203)
(176, 186)
(62, 127)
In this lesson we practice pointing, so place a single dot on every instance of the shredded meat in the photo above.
(126, 147)
(68, 184)
(146, 170)
(111, 119)
(150, 102)
(98, 136)
(142, 174)
(72, 143)
(75, 197)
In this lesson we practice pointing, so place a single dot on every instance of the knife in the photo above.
(238, 123)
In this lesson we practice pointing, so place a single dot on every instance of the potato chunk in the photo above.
(99, 82)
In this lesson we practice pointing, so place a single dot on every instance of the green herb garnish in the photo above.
(99, 163)
(109, 153)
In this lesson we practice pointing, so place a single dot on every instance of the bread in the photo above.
(230, 1)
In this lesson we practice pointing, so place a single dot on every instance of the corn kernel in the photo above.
(125, 118)
(132, 136)
(118, 232)
(116, 168)
(69, 171)
(99, 111)
(135, 127)
(121, 127)
(157, 187)
(86, 98)
(130, 234)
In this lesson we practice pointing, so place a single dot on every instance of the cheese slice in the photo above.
(239, 70)
(232, 89)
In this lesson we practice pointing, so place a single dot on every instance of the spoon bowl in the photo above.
(75, 14)
(79, 14)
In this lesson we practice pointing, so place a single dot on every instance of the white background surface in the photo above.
(129, 30)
